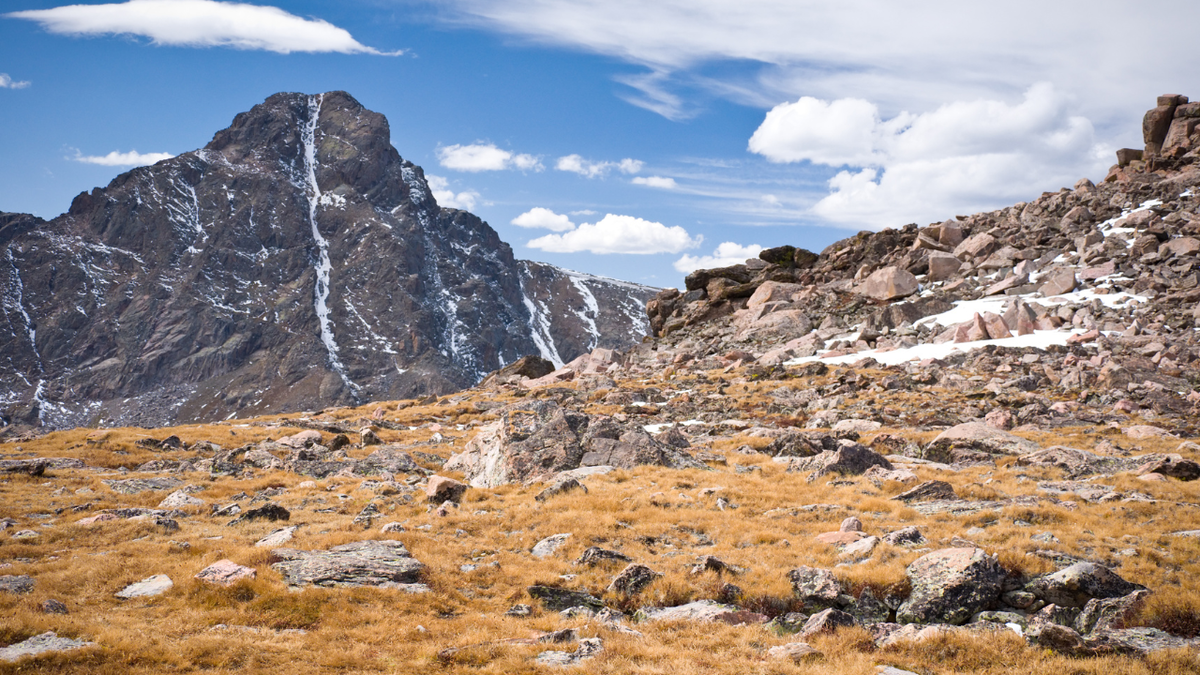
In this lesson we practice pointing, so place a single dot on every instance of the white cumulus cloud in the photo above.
(445, 196)
(539, 217)
(485, 157)
(585, 167)
(728, 253)
(7, 82)
(200, 23)
(131, 158)
(619, 234)
(959, 158)
(655, 182)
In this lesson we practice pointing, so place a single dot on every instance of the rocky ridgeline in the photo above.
(294, 263)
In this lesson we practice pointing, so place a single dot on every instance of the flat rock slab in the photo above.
(278, 537)
(41, 644)
(379, 563)
(132, 486)
(701, 610)
(150, 586)
(16, 583)
(226, 572)
(546, 547)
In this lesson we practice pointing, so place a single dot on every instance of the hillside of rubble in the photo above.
(970, 447)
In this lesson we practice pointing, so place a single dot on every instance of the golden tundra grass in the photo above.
(665, 519)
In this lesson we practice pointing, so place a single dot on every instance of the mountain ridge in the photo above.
(294, 262)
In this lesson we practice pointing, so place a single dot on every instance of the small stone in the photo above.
(16, 584)
(519, 610)
(180, 499)
(826, 621)
(928, 491)
(851, 524)
(594, 555)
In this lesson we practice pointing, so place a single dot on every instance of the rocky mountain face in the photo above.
(295, 262)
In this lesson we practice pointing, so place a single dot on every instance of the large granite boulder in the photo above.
(950, 586)
(1074, 586)
(384, 564)
(537, 440)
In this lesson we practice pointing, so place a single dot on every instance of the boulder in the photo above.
(1180, 246)
(982, 436)
(906, 536)
(546, 547)
(17, 584)
(277, 537)
(560, 486)
(703, 611)
(148, 587)
(633, 579)
(951, 585)
(179, 499)
(1058, 282)
(537, 440)
(1105, 614)
(814, 586)
(928, 491)
(558, 599)
(1173, 466)
(942, 266)
(796, 652)
(773, 291)
(1079, 583)
(383, 564)
(441, 489)
(888, 283)
(595, 555)
(41, 644)
(849, 459)
(975, 246)
(826, 621)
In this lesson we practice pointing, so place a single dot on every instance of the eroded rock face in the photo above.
(385, 564)
(538, 440)
(300, 237)
(950, 586)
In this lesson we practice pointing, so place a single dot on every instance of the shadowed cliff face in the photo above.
(295, 262)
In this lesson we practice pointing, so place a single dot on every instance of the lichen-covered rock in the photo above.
(815, 586)
(850, 458)
(385, 564)
(951, 585)
(225, 573)
(16, 583)
(558, 599)
(41, 644)
(1079, 583)
(537, 440)
(633, 579)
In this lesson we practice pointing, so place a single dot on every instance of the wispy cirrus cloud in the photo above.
(591, 169)
(115, 158)
(201, 23)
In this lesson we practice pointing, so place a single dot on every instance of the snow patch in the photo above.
(539, 328)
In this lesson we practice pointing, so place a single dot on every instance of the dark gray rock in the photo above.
(906, 536)
(594, 555)
(633, 579)
(271, 512)
(16, 583)
(558, 487)
(385, 564)
(558, 599)
(951, 585)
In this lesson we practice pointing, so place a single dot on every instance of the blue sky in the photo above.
(692, 127)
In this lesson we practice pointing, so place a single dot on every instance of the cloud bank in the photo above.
(538, 217)
(485, 157)
(131, 158)
(200, 23)
(619, 234)
(962, 157)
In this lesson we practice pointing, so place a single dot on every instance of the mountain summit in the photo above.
(295, 262)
